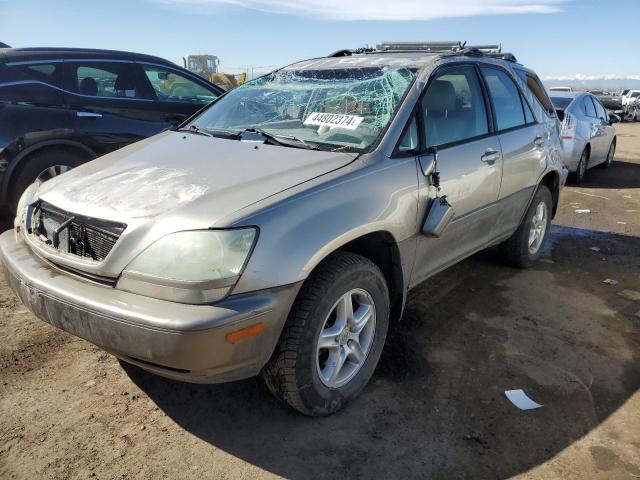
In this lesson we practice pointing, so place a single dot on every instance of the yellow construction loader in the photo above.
(206, 66)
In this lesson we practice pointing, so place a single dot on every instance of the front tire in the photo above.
(41, 166)
(526, 244)
(333, 337)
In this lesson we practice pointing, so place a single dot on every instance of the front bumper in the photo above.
(180, 341)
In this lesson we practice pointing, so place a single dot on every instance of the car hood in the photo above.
(176, 174)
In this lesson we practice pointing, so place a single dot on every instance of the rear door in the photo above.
(112, 103)
(31, 100)
(596, 131)
(178, 94)
(454, 120)
(605, 132)
(522, 141)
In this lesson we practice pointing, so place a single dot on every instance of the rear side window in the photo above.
(37, 83)
(453, 108)
(506, 99)
(106, 79)
(170, 86)
(589, 108)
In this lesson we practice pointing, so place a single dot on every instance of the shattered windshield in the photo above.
(343, 108)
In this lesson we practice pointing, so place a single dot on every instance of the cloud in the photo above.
(346, 10)
(578, 77)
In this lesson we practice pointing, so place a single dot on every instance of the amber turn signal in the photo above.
(244, 333)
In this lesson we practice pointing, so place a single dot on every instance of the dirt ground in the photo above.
(436, 406)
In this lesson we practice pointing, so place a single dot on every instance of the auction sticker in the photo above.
(334, 120)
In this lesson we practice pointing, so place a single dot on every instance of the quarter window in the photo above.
(506, 99)
(409, 142)
(600, 111)
(37, 83)
(172, 87)
(535, 87)
(453, 108)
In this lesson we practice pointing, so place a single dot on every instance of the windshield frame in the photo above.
(326, 147)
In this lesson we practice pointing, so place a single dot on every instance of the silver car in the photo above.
(588, 137)
(280, 230)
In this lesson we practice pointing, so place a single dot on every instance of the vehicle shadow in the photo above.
(436, 406)
(621, 175)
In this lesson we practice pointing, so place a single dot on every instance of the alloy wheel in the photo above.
(538, 228)
(346, 338)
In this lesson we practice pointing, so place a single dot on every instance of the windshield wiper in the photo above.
(282, 140)
(195, 130)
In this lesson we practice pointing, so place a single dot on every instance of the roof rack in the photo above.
(421, 46)
(454, 48)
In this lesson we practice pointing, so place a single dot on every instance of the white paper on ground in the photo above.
(520, 400)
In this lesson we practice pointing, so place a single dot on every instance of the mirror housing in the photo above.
(427, 164)
(613, 118)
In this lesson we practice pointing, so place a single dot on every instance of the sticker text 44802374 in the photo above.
(334, 120)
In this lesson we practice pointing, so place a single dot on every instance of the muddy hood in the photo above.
(175, 173)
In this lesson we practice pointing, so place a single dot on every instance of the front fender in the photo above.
(298, 232)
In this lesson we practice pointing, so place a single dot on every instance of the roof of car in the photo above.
(51, 53)
(369, 59)
(382, 59)
(556, 94)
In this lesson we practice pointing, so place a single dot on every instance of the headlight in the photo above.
(26, 199)
(199, 266)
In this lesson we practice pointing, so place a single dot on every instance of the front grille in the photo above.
(78, 235)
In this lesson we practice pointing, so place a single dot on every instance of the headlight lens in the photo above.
(26, 199)
(197, 266)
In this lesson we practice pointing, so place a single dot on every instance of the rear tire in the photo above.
(526, 244)
(580, 174)
(43, 162)
(610, 156)
(313, 341)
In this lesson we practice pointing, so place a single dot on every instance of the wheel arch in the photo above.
(382, 249)
(19, 160)
(552, 181)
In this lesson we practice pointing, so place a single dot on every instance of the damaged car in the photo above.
(279, 230)
(587, 134)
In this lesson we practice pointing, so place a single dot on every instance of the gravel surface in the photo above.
(436, 406)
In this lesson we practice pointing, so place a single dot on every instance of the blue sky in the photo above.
(558, 38)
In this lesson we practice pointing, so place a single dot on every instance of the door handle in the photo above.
(539, 142)
(89, 115)
(490, 157)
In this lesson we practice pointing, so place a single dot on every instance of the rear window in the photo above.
(561, 103)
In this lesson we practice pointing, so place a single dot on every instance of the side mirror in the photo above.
(614, 119)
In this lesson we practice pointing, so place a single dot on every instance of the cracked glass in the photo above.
(332, 109)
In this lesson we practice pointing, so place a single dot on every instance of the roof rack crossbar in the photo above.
(421, 46)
